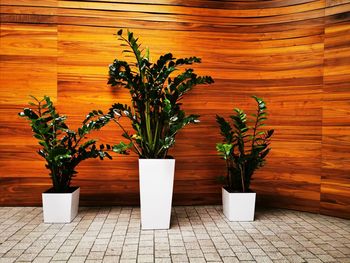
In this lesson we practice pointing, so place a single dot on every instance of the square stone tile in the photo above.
(77, 259)
(27, 257)
(197, 260)
(179, 259)
(61, 256)
(163, 260)
(7, 260)
(212, 256)
(145, 258)
(42, 260)
(195, 253)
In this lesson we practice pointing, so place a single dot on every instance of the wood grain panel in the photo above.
(293, 53)
(28, 66)
(335, 184)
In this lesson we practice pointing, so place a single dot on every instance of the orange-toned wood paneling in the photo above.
(335, 184)
(289, 52)
(28, 54)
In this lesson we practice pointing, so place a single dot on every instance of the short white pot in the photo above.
(156, 192)
(238, 206)
(60, 207)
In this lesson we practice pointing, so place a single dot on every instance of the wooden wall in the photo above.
(335, 182)
(293, 53)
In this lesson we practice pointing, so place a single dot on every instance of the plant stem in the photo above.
(255, 128)
(155, 135)
(39, 109)
(54, 179)
(148, 125)
(229, 181)
(160, 150)
(133, 144)
(77, 142)
(242, 177)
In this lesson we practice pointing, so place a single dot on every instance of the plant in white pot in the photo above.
(244, 149)
(156, 118)
(63, 149)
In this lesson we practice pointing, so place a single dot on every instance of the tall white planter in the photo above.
(60, 207)
(238, 206)
(156, 192)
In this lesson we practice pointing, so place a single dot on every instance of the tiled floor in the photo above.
(197, 234)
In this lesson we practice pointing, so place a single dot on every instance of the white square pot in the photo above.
(238, 206)
(156, 192)
(60, 207)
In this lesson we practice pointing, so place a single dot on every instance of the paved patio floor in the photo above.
(197, 234)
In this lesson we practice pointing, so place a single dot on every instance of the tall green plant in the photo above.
(62, 148)
(244, 147)
(155, 113)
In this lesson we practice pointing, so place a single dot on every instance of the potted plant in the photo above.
(244, 149)
(156, 118)
(63, 149)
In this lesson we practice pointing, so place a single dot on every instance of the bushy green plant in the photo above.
(155, 113)
(62, 148)
(244, 147)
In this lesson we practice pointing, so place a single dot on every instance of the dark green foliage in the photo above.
(244, 147)
(62, 148)
(156, 114)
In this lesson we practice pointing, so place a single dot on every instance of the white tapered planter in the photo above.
(156, 192)
(60, 207)
(238, 206)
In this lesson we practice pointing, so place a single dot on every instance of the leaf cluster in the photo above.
(62, 148)
(155, 113)
(244, 146)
